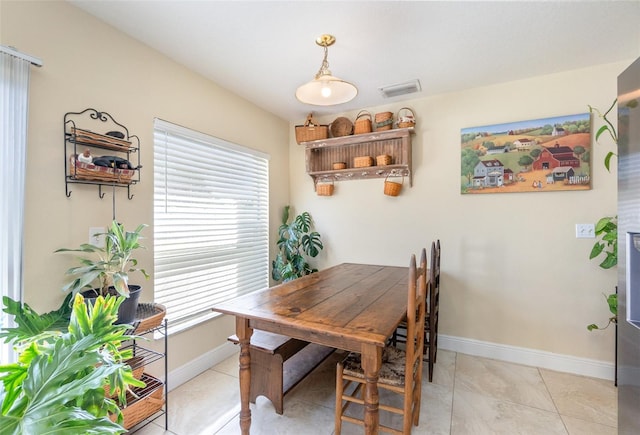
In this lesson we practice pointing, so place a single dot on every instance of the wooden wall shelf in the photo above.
(320, 155)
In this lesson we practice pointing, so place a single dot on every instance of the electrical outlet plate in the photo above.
(96, 236)
(585, 231)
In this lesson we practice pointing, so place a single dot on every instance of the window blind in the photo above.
(211, 230)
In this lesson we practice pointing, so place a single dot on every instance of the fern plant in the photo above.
(296, 242)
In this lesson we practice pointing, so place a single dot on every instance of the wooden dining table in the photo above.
(354, 307)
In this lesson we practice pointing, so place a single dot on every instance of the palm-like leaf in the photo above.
(57, 385)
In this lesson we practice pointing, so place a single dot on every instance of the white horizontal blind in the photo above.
(211, 236)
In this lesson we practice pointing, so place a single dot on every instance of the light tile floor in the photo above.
(468, 395)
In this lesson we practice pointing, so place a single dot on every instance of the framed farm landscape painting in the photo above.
(539, 155)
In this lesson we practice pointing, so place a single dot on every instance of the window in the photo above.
(211, 229)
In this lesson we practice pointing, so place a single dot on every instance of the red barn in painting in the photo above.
(554, 157)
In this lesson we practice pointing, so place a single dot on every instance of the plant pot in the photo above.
(128, 308)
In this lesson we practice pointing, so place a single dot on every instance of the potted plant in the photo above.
(109, 268)
(295, 240)
(60, 377)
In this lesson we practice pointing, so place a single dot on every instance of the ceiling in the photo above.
(263, 50)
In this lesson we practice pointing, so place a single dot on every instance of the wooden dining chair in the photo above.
(401, 370)
(430, 350)
(433, 307)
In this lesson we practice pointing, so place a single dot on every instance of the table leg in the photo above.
(244, 332)
(371, 362)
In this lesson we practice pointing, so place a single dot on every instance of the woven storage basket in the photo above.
(406, 120)
(363, 123)
(149, 401)
(148, 316)
(383, 160)
(311, 131)
(339, 165)
(341, 126)
(88, 171)
(325, 188)
(362, 161)
(391, 188)
(102, 140)
(384, 121)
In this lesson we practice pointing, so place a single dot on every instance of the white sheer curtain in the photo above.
(14, 99)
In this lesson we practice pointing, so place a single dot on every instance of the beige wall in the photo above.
(513, 272)
(89, 64)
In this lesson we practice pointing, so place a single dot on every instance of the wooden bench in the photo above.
(278, 363)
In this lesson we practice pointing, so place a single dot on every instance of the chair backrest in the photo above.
(437, 273)
(416, 309)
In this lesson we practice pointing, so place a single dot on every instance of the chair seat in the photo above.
(391, 371)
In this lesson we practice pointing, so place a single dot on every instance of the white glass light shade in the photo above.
(326, 90)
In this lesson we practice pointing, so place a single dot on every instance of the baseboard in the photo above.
(201, 364)
(529, 357)
(514, 354)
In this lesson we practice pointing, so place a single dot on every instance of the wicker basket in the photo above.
(325, 188)
(384, 121)
(149, 401)
(406, 120)
(391, 188)
(362, 161)
(148, 316)
(88, 171)
(341, 126)
(363, 123)
(383, 160)
(311, 131)
(339, 165)
(90, 138)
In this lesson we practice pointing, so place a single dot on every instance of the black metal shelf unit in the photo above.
(91, 131)
(144, 356)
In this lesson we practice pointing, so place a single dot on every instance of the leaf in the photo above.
(31, 324)
(607, 160)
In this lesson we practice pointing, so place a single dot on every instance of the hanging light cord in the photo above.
(324, 68)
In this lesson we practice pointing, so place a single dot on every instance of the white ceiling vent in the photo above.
(400, 89)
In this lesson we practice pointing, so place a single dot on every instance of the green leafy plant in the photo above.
(612, 301)
(57, 385)
(606, 228)
(31, 324)
(296, 242)
(606, 128)
(110, 265)
(606, 231)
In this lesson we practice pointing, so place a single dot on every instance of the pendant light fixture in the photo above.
(325, 89)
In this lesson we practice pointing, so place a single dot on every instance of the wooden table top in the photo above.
(344, 306)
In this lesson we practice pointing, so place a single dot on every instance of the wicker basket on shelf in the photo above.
(362, 161)
(384, 121)
(407, 119)
(324, 188)
(311, 130)
(383, 160)
(363, 123)
(392, 188)
(148, 316)
(341, 126)
(339, 165)
(146, 402)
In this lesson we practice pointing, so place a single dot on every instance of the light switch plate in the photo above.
(585, 231)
